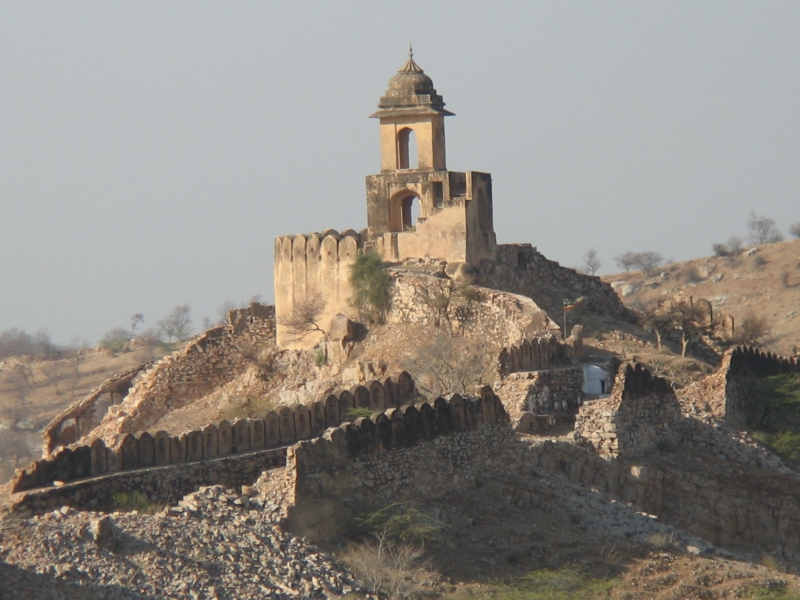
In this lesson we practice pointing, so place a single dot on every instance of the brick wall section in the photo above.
(730, 505)
(280, 427)
(642, 414)
(424, 450)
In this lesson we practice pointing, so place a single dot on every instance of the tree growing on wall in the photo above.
(305, 318)
(794, 229)
(370, 282)
(178, 324)
(763, 230)
(592, 261)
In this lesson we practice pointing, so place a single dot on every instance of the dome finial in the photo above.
(410, 52)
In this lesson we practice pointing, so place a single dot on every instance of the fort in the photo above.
(365, 438)
(418, 210)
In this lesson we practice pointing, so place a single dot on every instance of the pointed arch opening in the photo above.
(405, 209)
(407, 149)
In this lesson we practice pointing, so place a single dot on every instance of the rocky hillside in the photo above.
(32, 392)
(761, 282)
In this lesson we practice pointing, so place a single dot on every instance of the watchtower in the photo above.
(455, 208)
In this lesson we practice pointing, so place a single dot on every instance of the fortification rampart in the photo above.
(212, 359)
(418, 450)
(539, 400)
(539, 353)
(499, 316)
(280, 427)
(642, 414)
(741, 366)
(309, 268)
(521, 269)
(85, 414)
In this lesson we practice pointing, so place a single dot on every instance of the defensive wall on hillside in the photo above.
(310, 267)
(743, 365)
(641, 415)
(415, 451)
(85, 414)
(280, 427)
(212, 359)
(521, 269)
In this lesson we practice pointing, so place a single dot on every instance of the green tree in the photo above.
(371, 283)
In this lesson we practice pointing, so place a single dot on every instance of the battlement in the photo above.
(280, 427)
(311, 267)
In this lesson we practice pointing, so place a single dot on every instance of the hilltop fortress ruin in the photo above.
(454, 227)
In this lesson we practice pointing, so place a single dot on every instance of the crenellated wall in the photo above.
(641, 415)
(741, 366)
(539, 353)
(400, 453)
(311, 267)
(280, 427)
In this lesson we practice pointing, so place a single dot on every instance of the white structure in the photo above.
(596, 381)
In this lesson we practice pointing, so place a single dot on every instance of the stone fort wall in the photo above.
(501, 317)
(521, 269)
(214, 358)
(418, 450)
(741, 366)
(308, 267)
(641, 415)
(281, 427)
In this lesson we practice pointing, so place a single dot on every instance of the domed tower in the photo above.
(455, 220)
(411, 106)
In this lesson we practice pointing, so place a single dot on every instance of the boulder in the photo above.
(342, 328)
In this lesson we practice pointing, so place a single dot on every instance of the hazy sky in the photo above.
(150, 152)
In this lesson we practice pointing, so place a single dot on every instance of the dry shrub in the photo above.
(394, 569)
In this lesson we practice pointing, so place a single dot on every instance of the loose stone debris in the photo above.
(214, 544)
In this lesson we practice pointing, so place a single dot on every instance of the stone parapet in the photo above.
(418, 449)
(281, 427)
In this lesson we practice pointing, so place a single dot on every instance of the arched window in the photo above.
(405, 210)
(411, 212)
(407, 149)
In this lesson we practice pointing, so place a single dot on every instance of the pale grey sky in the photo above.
(151, 151)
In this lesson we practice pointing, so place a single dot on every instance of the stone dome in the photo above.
(411, 80)
(410, 92)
